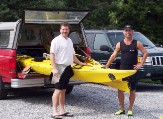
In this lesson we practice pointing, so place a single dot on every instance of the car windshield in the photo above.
(118, 36)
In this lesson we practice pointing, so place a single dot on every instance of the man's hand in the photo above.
(55, 72)
(106, 67)
(138, 66)
(84, 64)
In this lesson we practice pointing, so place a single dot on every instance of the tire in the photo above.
(3, 92)
(161, 81)
(69, 89)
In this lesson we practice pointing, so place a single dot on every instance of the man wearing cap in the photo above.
(129, 53)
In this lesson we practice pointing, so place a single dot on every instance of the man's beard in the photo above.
(128, 36)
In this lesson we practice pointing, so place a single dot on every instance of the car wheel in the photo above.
(69, 89)
(3, 92)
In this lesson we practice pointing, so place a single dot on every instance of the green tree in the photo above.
(145, 16)
(11, 10)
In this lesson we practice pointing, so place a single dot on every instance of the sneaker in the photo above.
(119, 112)
(130, 113)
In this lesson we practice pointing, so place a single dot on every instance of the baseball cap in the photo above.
(128, 26)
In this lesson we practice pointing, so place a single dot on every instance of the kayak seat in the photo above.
(81, 58)
(39, 59)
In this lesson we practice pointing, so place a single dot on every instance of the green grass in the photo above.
(150, 81)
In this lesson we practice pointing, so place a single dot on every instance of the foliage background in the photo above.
(146, 16)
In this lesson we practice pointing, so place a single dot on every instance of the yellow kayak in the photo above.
(121, 85)
(94, 72)
(97, 74)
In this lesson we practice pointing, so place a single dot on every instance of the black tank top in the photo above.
(129, 55)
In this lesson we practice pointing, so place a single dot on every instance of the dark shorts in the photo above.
(65, 73)
(132, 80)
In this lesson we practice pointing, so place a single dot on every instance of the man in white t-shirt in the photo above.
(62, 55)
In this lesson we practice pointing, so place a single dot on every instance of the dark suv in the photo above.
(102, 44)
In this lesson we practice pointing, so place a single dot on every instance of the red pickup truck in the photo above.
(31, 36)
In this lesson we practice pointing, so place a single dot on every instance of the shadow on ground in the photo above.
(149, 87)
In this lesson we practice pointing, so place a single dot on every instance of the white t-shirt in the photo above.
(63, 50)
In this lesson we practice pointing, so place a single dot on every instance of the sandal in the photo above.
(56, 116)
(67, 114)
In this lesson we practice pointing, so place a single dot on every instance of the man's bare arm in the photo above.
(52, 60)
(145, 54)
(114, 55)
(77, 61)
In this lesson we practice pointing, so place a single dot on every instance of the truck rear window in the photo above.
(4, 38)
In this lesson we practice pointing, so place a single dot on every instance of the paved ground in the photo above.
(87, 101)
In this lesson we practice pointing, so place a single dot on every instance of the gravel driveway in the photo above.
(87, 101)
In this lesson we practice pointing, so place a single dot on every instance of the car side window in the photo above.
(90, 39)
(4, 38)
(115, 38)
(100, 39)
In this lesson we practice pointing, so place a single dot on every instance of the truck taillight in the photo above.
(87, 51)
(12, 65)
